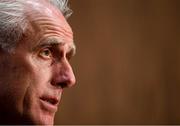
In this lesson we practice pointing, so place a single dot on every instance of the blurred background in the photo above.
(127, 64)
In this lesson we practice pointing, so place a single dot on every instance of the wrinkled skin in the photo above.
(39, 68)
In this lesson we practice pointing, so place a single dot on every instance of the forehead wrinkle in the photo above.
(51, 24)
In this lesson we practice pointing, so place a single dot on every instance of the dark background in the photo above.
(127, 64)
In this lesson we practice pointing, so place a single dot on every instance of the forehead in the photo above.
(47, 22)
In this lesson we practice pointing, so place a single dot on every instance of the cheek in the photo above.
(20, 80)
(42, 69)
(39, 77)
(14, 81)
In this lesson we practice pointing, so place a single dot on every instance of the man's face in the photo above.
(33, 77)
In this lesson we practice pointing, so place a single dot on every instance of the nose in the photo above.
(64, 75)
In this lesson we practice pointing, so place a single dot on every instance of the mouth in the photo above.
(49, 103)
(50, 100)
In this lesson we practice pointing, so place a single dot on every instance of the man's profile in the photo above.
(36, 44)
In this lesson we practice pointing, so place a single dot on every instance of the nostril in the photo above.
(59, 84)
(62, 84)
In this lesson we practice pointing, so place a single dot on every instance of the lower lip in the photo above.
(48, 106)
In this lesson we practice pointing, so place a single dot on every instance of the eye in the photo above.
(45, 53)
(69, 55)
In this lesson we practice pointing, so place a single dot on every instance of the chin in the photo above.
(38, 118)
(42, 121)
(46, 120)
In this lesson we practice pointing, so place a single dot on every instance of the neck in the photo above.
(8, 119)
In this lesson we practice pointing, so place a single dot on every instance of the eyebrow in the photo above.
(54, 41)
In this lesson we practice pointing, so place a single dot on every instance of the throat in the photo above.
(7, 118)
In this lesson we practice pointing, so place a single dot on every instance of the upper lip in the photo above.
(53, 100)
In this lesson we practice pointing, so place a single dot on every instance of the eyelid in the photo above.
(45, 49)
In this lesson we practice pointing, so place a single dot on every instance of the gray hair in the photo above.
(13, 22)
